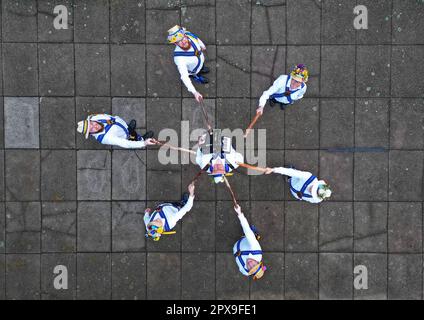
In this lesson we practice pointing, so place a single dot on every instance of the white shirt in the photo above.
(116, 135)
(232, 157)
(248, 243)
(172, 213)
(186, 65)
(298, 179)
(279, 87)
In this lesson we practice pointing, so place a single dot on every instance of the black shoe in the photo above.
(272, 102)
(148, 135)
(200, 79)
(204, 70)
(131, 126)
(184, 198)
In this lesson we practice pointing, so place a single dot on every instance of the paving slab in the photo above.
(56, 64)
(128, 276)
(22, 175)
(164, 115)
(2, 276)
(23, 277)
(271, 286)
(335, 276)
(379, 23)
(336, 227)
(158, 22)
(23, 227)
(405, 277)
(2, 175)
(370, 226)
(371, 176)
(127, 21)
(46, 17)
(405, 227)
(94, 226)
(407, 20)
(21, 119)
(128, 70)
(376, 265)
(230, 283)
(2, 228)
(337, 22)
(268, 24)
(232, 20)
(92, 21)
(93, 276)
(128, 228)
(49, 263)
(163, 276)
(57, 123)
(58, 176)
(59, 226)
(301, 276)
(198, 16)
(197, 276)
(19, 21)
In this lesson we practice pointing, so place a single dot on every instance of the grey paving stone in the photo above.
(371, 176)
(268, 63)
(405, 227)
(301, 276)
(270, 229)
(232, 21)
(46, 30)
(373, 71)
(376, 265)
(19, 21)
(198, 16)
(405, 277)
(407, 19)
(128, 276)
(159, 4)
(48, 275)
(57, 123)
(335, 276)
(23, 225)
(2, 276)
(311, 57)
(264, 187)
(22, 170)
(131, 108)
(86, 106)
(92, 63)
(93, 229)
(370, 226)
(128, 70)
(157, 24)
(198, 227)
(206, 90)
(239, 182)
(406, 61)
(228, 228)
(379, 22)
(271, 285)
(230, 283)
(127, 21)
(92, 21)
(94, 175)
(307, 33)
(161, 266)
(205, 187)
(59, 233)
(406, 124)
(405, 175)
(336, 227)
(2, 228)
(2, 175)
(268, 24)
(164, 114)
(1, 121)
(20, 72)
(337, 22)
(21, 122)
(128, 175)
(128, 226)
(372, 123)
(93, 276)
(233, 71)
(302, 124)
(271, 124)
(198, 276)
(301, 233)
(337, 170)
(337, 71)
(56, 64)
(163, 78)
(58, 176)
(337, 123)
(23, 277)
(163, 181)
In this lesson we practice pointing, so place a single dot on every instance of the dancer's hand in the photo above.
(202, 140)
(238, 209)
(198, 97)
(150, 142)
(260, 110)
(269, 171)
(191, 188)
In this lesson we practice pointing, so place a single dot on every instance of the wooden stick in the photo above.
(245, 165)
(205, 114)
(231, 191)
(197, 176)
(249, 128)
(161, 143)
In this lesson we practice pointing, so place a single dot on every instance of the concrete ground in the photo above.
(68, 201)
